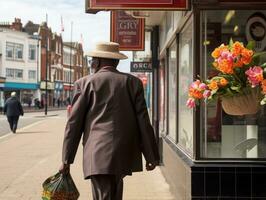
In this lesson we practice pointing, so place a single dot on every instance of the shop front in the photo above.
(207, 153)
(49, 90)
(26, 92)
(58, 92)
(67, 94)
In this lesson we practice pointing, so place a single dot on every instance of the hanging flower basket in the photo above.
(240, 81)
(243, 104)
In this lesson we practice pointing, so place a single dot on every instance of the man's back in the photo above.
(13, 107)
(110, 109)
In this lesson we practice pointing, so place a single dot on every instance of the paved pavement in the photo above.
(27, 119)
(34, 153)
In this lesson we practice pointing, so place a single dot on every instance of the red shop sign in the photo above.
(137, 5)
(127, 31)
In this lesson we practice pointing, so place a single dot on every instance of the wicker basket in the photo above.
(245, 104)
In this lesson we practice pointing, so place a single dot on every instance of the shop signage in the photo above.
(140, 67)
(137, 5)
(58, 86)
(127, 31)
(50, 85)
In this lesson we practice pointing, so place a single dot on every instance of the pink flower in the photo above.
(191, 103)
(206, 93)
(255, 75)
(226, 55)
(203, 86)
(195, 84)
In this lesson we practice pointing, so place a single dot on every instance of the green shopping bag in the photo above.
(60, 187)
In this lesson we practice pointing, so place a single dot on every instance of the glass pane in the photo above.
(172, 83)
(19, 51)
(32, 52)
(19, 73)
(9, 73)
(9, 50)
(223, 135)
(185, 117)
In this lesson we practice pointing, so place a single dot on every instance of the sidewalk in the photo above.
(34, 153)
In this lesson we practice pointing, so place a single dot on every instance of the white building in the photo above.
(19, 65)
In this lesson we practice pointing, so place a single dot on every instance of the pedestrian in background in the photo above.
(13, 109)
(109, 110)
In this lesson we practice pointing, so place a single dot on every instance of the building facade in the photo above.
(19, 65)
(205, 153)
(73, 67)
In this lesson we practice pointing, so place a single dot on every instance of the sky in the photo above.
(93, 27)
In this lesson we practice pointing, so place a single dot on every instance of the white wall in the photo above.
(25, 64)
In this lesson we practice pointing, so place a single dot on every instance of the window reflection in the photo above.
(226, 136)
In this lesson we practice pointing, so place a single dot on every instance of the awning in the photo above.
(26, 86)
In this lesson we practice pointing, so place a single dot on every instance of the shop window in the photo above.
(185, 115)
(162, 97)
(172, 91)
(223, 135)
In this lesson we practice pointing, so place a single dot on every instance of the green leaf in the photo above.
(251, 45)
(263, 65)
(258, 54)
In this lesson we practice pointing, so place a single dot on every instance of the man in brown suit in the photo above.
(109, 111)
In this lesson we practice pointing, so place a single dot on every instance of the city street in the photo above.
(34, 153)
(26, 120)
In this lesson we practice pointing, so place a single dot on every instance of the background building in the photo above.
(206, 153)
(73, 61)
(19, 63)
(32, 56)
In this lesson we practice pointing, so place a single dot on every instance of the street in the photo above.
(26, 120)
(34, 153)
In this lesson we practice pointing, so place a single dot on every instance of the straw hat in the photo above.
(107, 50)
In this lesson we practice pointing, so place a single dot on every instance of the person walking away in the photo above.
(13, 109)
(109, 110)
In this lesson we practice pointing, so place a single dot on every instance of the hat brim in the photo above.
(106, 54)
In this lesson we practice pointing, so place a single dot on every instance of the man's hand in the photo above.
(150, 166)
(65, 168)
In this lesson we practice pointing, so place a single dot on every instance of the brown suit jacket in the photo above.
(109, 110)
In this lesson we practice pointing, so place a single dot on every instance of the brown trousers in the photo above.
(107, 187)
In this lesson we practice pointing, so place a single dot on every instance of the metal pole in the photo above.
(46, 69)
(70, 81)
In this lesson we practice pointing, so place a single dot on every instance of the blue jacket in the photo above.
(13, 107)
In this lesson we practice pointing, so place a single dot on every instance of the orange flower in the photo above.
(217, 51)
(237, 48)
(195, 93)
(239, 63)
(246, 56)
(263, 86)
(223, 82)
(213, 85)
(226, 66)
(263, 82)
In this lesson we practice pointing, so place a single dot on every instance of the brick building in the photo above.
(53, 62)
(73, 62)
